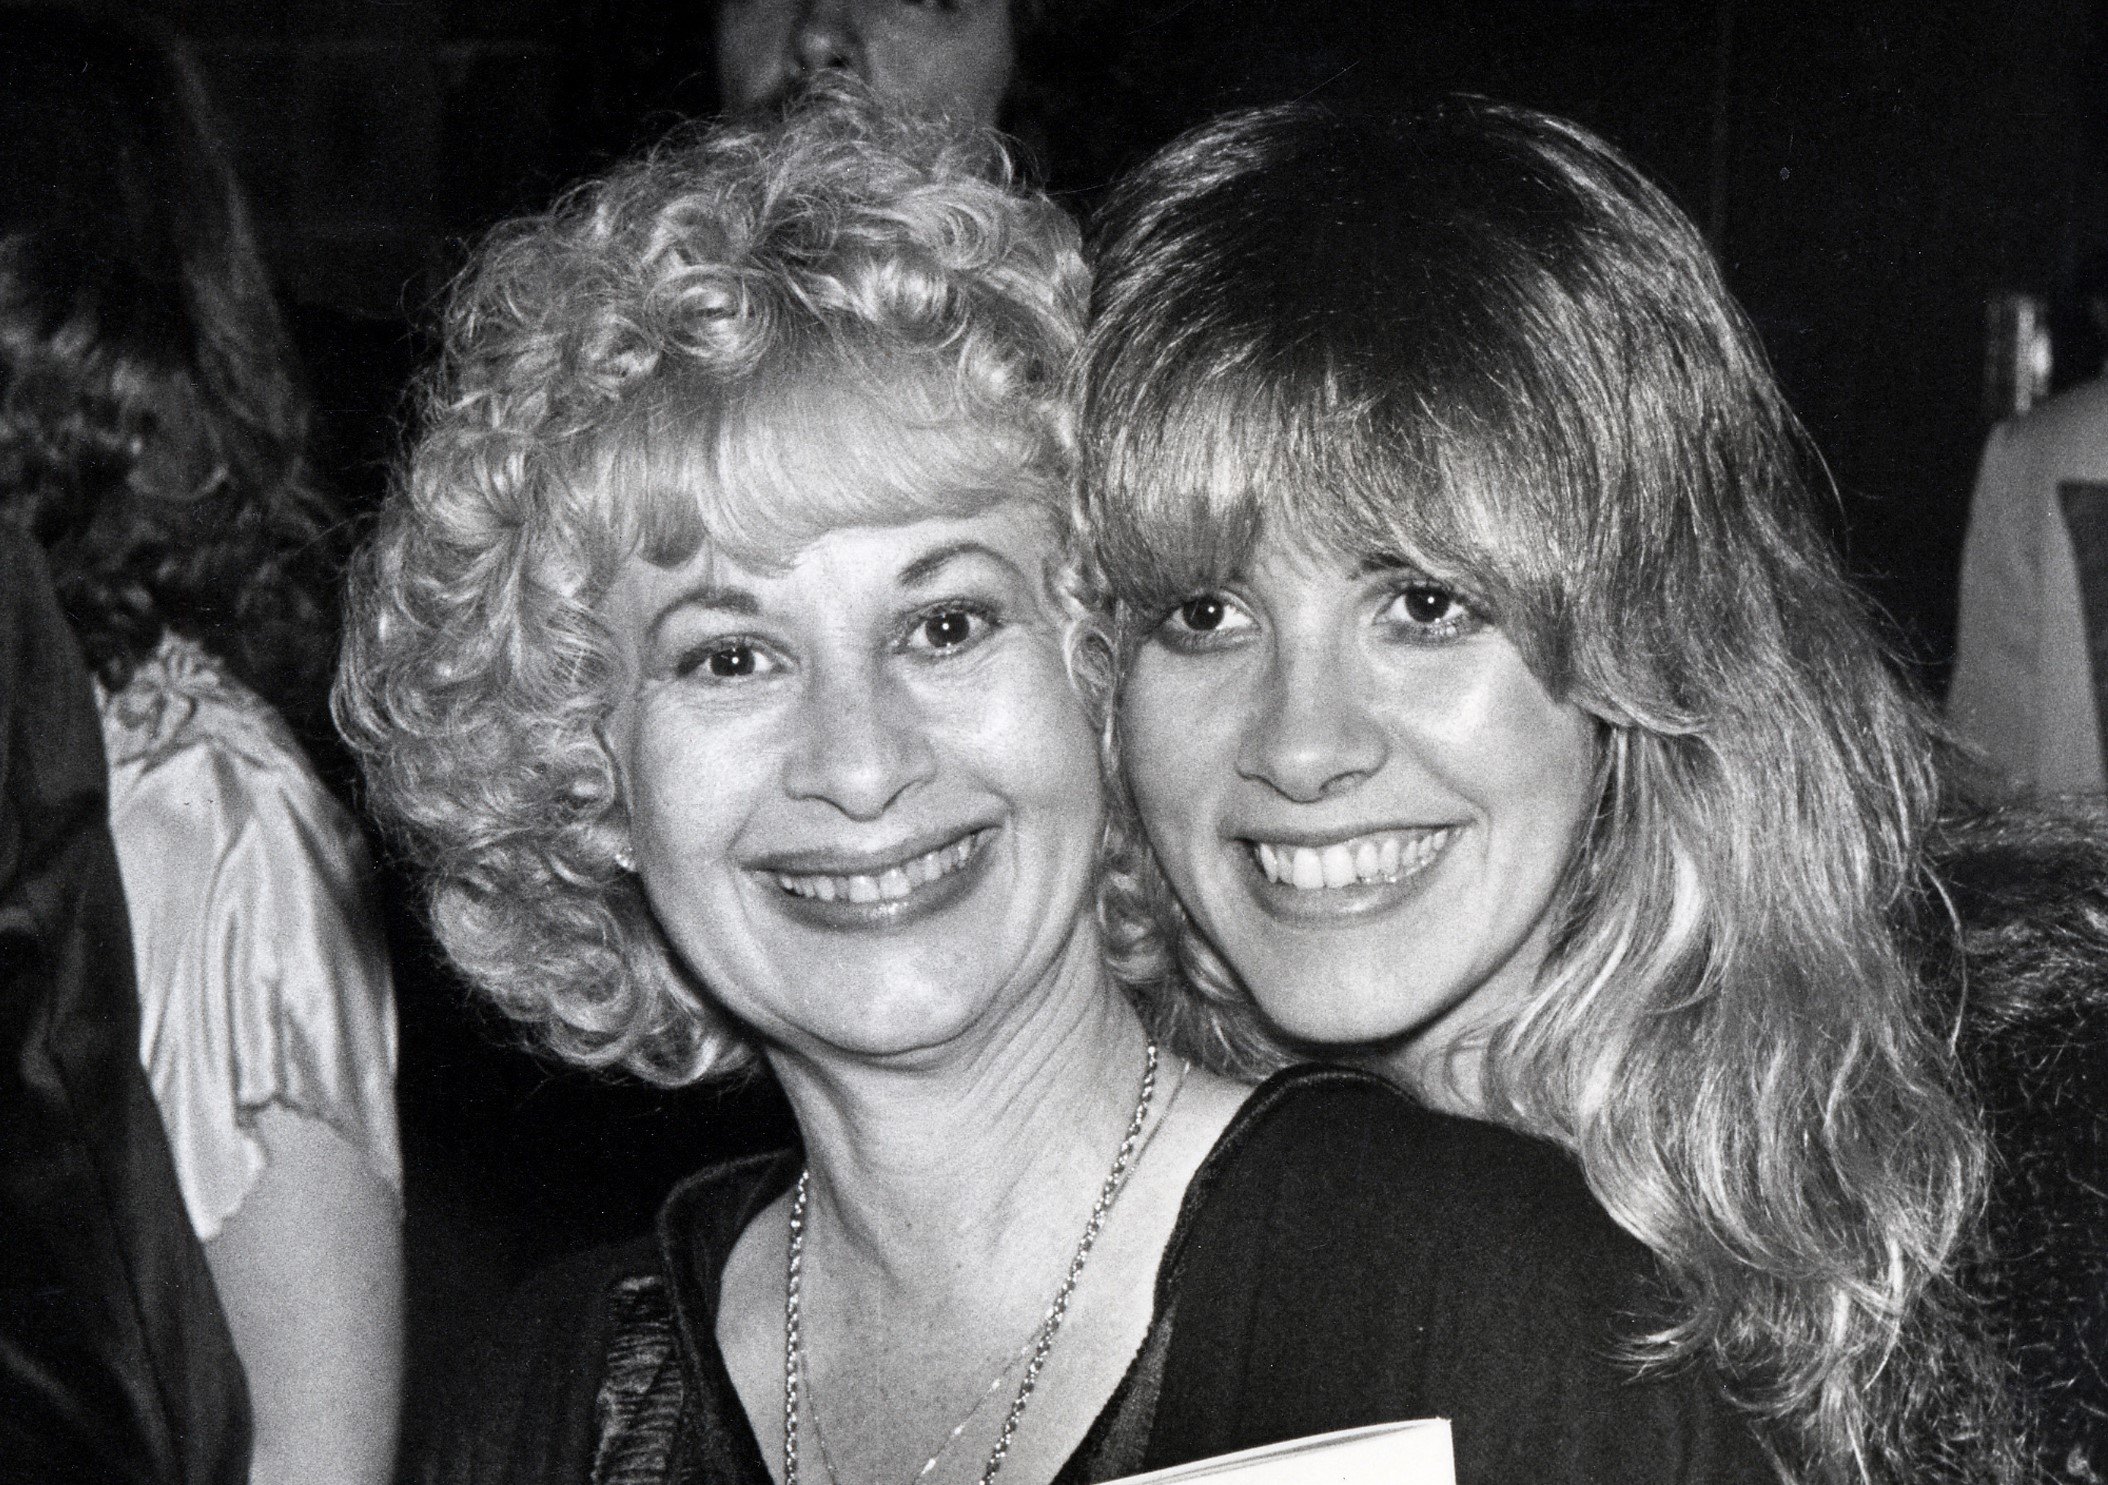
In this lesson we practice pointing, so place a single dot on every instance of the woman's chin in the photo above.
(905, 1032)
(1343, 1015)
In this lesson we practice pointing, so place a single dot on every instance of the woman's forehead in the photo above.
(1010, 533)
(764, 473)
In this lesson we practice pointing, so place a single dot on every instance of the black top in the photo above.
(2029, 977)
(116, 1365)
(1343, 1257)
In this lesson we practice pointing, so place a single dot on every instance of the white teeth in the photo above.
(1387, 856)
(1339, 865)
(890, 885)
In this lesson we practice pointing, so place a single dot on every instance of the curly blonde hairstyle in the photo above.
(628, 376)
(1477, 336)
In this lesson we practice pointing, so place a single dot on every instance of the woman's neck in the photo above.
(1444, 1063)
(937, 1168)
(947, 1202)
(1447, 1074)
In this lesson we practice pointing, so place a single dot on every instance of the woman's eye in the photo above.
(1204, 617)
(726, 660)
(947, 630)
(1432, 610)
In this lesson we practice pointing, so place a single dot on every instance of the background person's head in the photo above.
(1464, 365)
(1067, 80)
(729, 352)
(956, 59)
(151, 418)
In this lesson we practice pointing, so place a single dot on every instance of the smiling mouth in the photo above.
(1377, 859)
(894, 884)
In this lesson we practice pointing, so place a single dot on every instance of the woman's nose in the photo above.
(863, 743)
(828, 38)
(1311, 734)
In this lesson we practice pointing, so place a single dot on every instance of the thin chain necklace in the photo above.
(1043, 1343)
(995, 1383)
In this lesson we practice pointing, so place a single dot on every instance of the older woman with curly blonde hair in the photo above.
(713, 662)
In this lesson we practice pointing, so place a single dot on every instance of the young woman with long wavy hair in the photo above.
(1489, 707)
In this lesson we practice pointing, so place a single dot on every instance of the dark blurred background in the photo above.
(1873, 172)
(1904, 192)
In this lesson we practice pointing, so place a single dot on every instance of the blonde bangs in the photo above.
(1183, 495)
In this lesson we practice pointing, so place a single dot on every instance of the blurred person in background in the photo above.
(1053, 74)
(116, 1367)
(2031, 638)
(151, 427)
(956, 60)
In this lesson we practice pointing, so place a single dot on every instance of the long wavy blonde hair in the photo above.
(1478, 336)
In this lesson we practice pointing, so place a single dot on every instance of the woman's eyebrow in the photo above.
(930, 563)
(706, 595)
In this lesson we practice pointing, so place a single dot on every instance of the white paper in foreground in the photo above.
(1414, 1453)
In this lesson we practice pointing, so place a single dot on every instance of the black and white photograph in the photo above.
(1072, 742)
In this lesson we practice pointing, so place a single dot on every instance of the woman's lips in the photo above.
(892, 883)
(884, 897)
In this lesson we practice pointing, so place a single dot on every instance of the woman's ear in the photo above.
(621, 837)
(614, 825)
